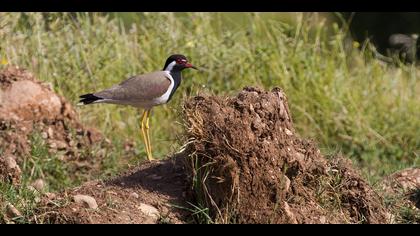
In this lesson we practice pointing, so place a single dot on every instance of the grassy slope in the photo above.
(340, 96)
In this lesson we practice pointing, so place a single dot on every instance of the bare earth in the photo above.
(150, 193)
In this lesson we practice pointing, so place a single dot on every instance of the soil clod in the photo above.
(250, 165)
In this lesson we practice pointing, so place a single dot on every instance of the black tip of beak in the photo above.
(189, 65)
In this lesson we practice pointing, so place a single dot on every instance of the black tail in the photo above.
(89, 98)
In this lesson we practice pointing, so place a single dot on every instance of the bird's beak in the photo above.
(189, 65)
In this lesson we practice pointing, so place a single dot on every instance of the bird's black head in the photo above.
(177, 62)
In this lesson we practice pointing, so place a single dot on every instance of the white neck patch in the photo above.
(165, 97)
(170, 66)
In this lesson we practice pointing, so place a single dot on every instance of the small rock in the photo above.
(37, 199)
(11, 211)
(61, 157)
(108, 141)
(10, 162)
(251, 107)
(149, 211)
(86, 201)
(50, 196)
(288, 132)
(12, 147)
(38, 184)
(72, 143)
(286, 183)
(44, 135)
(101, 153)
(128, 145)
(50, 132)
(322, 219)
(391, 218)
(61, 144)
(164, 210)
(53, 145)
(134, 195)
(300, 157)
(407, 179)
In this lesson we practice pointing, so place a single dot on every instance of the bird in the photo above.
(144, 91)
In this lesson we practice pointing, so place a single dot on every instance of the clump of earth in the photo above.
(32, 114)
(252, 167)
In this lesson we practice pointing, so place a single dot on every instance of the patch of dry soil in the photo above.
(151, 193)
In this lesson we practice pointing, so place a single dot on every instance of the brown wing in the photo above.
(138, 88)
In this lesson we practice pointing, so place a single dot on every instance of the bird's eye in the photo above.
(181, 61)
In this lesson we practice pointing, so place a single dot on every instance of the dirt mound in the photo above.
(29, 109)
(23, 98)
(250, 166)
(403, 188)
(407, 180)
(151, 193)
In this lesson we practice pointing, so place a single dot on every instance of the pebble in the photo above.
(50, 132)
(53, 145)
(86, 201)
(44, 135)
(72, 143)
(38, 184)
(11, 211)
(149, 211)
(50, 196)
(61, 144)
(391, 218)
(288, 132)
(10, 162)
(300, 156)
(286, 183)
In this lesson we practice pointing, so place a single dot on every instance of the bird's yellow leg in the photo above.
(142, 127)
(150, 156)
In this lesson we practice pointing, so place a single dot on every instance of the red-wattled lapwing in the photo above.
(144, 91)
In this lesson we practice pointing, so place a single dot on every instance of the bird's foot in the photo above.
(150, 157)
